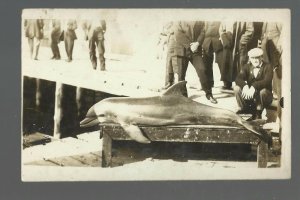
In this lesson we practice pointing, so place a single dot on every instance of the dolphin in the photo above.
(170, 108)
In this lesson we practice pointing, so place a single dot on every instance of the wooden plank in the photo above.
(262, 154)
(57, 110)
(35, 139)
(192, 133)
(106, 150)
(38, 94)
(90, 159)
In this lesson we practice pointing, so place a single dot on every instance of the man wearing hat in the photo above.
(253, 90)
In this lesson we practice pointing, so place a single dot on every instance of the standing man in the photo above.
(225, 58)
(95, 31)
(189, 38)
(242, 37)
(167, 39)
(211, 44)
(34, 32)
(55, 38)
(253, 90)
(69, 38)
(271, 45)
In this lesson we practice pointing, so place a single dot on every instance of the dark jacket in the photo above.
(34, 28)
(212, 37)
(69, 33)
(242, 35)
(271, 44)
(94, 31)
(185, 33)
(262, 80)
(56, 31)
(242, 38)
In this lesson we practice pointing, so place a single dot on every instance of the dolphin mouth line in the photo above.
(88, 122)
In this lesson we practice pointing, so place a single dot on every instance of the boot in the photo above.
(227, 85)
(256, 115)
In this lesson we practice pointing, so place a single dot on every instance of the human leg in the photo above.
(101, 51)
(30, 44)
(36, 44)
(92, 52)
(208, 59)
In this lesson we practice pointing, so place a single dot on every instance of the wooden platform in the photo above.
(187, 133)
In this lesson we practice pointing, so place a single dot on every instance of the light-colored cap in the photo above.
(256, 52)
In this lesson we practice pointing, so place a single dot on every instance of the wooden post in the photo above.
(57, 109)
(38, 94)
(262, 154)
(106, 150)
(78, 100)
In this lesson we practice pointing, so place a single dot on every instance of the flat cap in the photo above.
(256, 52)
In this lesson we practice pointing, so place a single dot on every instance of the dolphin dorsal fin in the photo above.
(177, 89)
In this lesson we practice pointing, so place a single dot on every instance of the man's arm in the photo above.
(201, 36)
(268, 76)
(246, 37)
(241, 79)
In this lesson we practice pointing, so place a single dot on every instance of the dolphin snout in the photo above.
(89, 121)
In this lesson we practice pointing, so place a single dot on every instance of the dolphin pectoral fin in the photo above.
(135, 133)
(177, 89)
(185, 119)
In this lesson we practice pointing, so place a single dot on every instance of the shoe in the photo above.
(227, 85)
(242, 111)
(255, 116)
(68, 60)
(211, 98)
(53, 57)
(227, 88)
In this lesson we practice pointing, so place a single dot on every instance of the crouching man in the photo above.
(253, 90)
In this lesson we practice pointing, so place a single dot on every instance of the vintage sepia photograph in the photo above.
(155, 94)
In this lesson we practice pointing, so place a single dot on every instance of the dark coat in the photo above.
(34, 28)
(242, 37)
(94, 31)
(56, 31)
(212, 37)
(271, 45)
(257, 26)
(262, 80)
(69, 33)
(187, 32)
(224, 57)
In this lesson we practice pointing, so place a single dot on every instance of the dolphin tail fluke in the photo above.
(255, 128)
(135, 133)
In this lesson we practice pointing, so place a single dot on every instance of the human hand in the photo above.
(245, 92)
(194, 46)
(251, 92)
